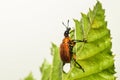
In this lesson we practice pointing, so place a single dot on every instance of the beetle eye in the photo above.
(66, 33)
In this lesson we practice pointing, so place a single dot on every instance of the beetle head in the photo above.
(66, 33)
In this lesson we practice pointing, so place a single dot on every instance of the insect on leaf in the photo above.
(95, 55)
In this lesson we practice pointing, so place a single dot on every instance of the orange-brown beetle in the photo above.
(66, 53)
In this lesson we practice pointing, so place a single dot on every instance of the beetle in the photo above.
(66, 47)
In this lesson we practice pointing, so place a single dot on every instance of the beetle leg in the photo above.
(75, 41)
(63, 64)
(74, 58)
(79, 65)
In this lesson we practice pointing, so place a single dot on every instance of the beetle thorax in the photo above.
(66, 40)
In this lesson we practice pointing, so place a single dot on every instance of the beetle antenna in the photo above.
(64, 24)
(68, 23)
(67, 26)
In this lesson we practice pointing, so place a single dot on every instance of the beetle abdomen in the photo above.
(65, 52)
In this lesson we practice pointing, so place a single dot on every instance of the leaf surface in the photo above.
(45, 70)
(29, 77)
(56, 68)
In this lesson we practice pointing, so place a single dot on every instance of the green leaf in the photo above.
(104, 75)
(54, 71)
(29, 77)
(45, 70)
(56, 68)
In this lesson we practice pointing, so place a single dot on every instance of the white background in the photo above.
(27, 28)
